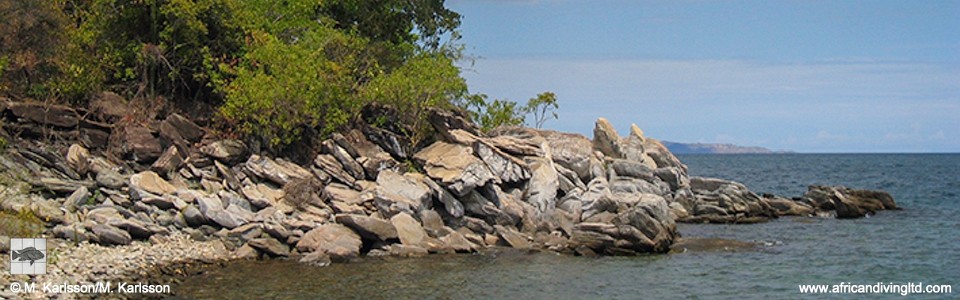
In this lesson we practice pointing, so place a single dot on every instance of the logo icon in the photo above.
(28, 256)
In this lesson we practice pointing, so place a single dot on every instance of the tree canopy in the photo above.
(274, 70)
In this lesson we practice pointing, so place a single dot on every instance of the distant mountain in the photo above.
(701, 148)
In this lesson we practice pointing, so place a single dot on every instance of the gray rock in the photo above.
(455, 167)
(651, 217)
(724, 201)
(632, 169)
(453, 206)
(109, 235)
(247, 231)
(193, 216)
(246, 252)
(62, 186)
(227, 151)
(506, 167)
(432, 222)
(136, 229)
(409, 229)
(77, 199)
(342, 193)
(276, 230)
(110, 179)
(350, 165)
(270, 246)
(335, 240)
(278, 171)
(369, 227)
(606, 140)
(212, 209)
(397, 193)
(788, 207)
(331, 166)
(661, 156)
(165, 202)
(542, 189)
(140, 143)
(261, 195)
(674, 177)
(170, 160)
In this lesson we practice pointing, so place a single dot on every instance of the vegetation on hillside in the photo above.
(274, 70)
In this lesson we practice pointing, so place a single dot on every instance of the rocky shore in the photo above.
(164, 191)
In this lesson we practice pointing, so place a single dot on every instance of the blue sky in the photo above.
(808, 76)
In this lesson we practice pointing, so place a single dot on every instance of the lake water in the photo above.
(920, 243)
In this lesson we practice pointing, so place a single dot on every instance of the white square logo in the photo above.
(28, 256)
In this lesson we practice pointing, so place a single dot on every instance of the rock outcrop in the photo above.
(370, 192)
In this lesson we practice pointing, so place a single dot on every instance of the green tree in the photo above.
(282, 88)
(542, 107)
(160, 47)
(490, 115)
(426, 80)
(31, 31)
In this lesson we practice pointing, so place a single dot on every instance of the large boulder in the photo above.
(334, 240)
(542, 188)
(606, 140)
(409, 230)
(724, 201)
(850, 203)
(369, 227)
(397, 193)
(139, 143)
(455, 167)
(642, 226)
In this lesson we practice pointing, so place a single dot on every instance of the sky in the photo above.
(806, 76)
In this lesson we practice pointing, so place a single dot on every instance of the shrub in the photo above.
(427, 80)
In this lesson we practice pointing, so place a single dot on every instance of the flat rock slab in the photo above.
(369, 227)
(334, 240)
(513, 238)
(270, 246)
(150, 182)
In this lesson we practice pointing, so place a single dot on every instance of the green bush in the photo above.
(427, 80)
(281, 88)
(499, 112)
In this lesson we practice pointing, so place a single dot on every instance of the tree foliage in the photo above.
(542, 107)
(427, 80)
(502, 112)
(29, 38)
(275, 70)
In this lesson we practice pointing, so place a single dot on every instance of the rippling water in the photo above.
(918, 244)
